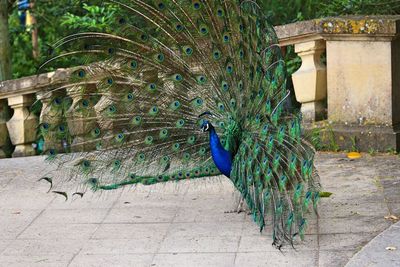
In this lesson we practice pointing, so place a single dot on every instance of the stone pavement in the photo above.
(383, 250)
(184, 224)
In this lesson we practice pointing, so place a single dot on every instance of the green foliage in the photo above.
(360, 7)
(23, 63)
(58, 18)
(354, 144)
(283, 12)
(55, 20)
(97, 18)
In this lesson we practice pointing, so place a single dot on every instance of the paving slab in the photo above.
(382, 251)
(194, 259)
(185, 224)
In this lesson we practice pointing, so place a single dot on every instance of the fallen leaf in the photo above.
(325, 194)
(391, 248)
(392, 218)
(353, 155)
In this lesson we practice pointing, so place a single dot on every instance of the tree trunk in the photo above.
(5, 51)
(35, 36)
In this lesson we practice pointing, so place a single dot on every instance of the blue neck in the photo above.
(221, 157)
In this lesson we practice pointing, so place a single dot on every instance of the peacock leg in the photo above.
(240, 207)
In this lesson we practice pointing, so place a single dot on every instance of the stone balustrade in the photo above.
(356, 94)
(16, 98)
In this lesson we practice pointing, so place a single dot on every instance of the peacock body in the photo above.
(181, 90)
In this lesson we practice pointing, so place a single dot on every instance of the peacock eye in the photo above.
(179, 27)
(85, 103)
(57, 101)
(134, 64)
(161, 6)
(160, 57)
(178, 77)
(226, 38)
(45, 126)
(81, 73)
(144, 37)
(189, 50)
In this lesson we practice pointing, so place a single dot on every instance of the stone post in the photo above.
(22, 126)
(50, 116)
(3, 127)
(310, 80)
(363, 80)
(80, 123)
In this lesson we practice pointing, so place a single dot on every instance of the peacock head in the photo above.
(206, 126)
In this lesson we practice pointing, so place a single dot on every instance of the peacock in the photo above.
(175, 90)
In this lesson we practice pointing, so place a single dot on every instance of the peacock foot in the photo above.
(276, 244)
(240, 208)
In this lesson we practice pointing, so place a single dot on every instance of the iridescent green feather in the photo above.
(129, 113)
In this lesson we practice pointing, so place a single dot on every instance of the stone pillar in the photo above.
(50, 116)
(359, 81)
(363, 90)
(22, 126)
(80, 123)
(3, 127)
(310, 80)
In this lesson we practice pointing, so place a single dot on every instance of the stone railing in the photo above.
(356, 93)
(16, 97)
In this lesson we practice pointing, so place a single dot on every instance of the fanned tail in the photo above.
(130, 114)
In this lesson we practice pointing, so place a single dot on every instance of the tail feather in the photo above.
(130, 113)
